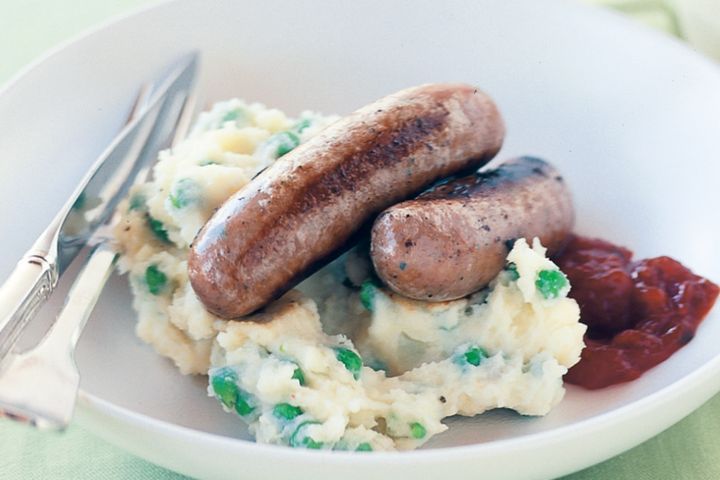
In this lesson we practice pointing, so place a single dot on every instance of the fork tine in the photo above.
(186, 118)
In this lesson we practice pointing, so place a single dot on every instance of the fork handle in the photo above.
(26, 289)
(79, 304)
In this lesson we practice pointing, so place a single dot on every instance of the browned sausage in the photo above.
(453, 239)
(304, 208)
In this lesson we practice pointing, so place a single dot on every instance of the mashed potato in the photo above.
(341, 362)
(229, 145)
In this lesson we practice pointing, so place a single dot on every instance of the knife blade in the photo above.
(93, 202)
(50, 365)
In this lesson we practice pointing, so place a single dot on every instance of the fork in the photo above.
(40, 386)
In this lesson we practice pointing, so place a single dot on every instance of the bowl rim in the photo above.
(644, 407)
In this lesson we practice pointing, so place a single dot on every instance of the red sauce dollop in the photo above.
(638, 313)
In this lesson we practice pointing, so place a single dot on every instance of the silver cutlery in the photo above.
(40, 386)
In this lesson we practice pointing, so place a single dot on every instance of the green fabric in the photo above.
(689, 450)
(75, 454)
(29, 27)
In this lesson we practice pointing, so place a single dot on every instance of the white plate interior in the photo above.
(629, 117)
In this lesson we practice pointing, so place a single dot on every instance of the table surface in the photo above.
(688, 450)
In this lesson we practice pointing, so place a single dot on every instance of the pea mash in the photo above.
(340, 362)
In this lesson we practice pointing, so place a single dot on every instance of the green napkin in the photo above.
(689, 450)
(28, 454)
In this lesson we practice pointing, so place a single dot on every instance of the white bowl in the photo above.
(628, 115)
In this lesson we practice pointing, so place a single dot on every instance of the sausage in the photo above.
(453, 239)
(305, 208)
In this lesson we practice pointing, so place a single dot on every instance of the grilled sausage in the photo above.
(305, 208)
(453, 239)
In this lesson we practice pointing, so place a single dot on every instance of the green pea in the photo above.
(402, 265)
(302, 124)
(298, 440)
(137, 202)
(351, 360)
(311, 444)
(367, 295)
(231, 116)
(242, 405)
(299, 376)
(286, 411)
(156, 280)
(550, 282)
(417, 430)
(511, 268)
(286, 142)
(158, 229)
(238, 116)
(224, 384)
(185, 192)
(475, 355)
(364, 447)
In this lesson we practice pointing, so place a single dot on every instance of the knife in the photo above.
(92, 203)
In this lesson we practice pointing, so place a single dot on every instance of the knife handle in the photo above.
(26, 289)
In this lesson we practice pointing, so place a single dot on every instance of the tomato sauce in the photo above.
(638, 313)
